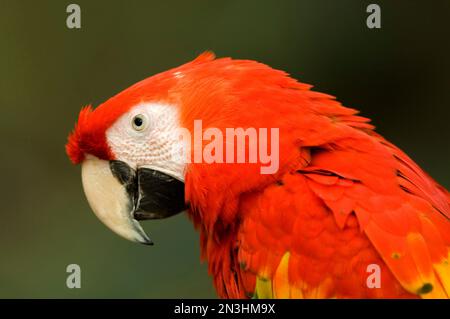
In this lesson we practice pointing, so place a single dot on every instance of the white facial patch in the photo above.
(148, 136)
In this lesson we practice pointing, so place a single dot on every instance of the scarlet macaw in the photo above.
(343, 197)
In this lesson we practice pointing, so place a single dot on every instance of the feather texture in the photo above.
(343, 199)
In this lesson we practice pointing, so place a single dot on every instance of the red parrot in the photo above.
(342, 199)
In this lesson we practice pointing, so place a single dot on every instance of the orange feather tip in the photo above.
(205, 57)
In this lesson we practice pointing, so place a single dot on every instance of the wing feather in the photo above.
(357, 203)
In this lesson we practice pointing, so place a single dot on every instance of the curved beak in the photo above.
(120, 196)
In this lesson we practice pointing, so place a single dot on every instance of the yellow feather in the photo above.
(443, 273)
(263, 288)
(281, 279)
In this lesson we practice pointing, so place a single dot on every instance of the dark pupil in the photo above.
(138, 121)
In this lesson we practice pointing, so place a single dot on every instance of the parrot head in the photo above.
(128, 173)
(129, 146)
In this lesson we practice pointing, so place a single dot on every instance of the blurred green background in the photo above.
(398, 75)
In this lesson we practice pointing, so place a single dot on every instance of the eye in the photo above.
(139, 122)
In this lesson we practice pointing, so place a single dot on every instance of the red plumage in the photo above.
(343, 198)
